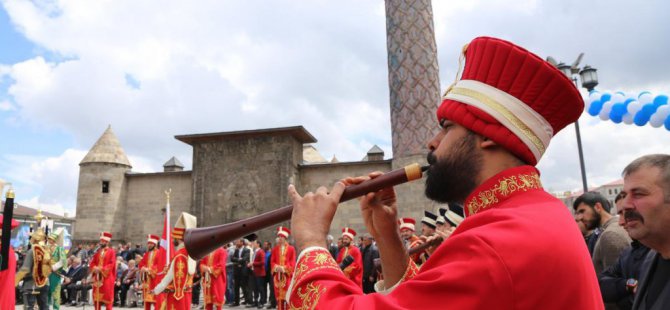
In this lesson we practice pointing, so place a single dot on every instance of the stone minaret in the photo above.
(102, 189)
(414, 92)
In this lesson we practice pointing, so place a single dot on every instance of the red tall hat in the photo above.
(512, 97)
(407, 223)
(283, 231)
(105, 235)
(348, 232)
(153, 239)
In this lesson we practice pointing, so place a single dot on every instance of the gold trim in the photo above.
(505, 187)
(504, 112)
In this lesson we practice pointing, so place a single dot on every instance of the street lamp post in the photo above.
(589, 79)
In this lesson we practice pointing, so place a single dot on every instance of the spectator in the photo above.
(646, 209)
(76, 273)
(129, 278)
(593, 210)
(370, 253)
(258, 269)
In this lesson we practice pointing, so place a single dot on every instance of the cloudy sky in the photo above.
(156, 69)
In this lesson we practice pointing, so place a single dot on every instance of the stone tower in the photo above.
(102, 189)
(240, 174)
(414, 91)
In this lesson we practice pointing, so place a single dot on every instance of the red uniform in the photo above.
(178, 281)
(214, 283)
(103, 282)
(282, 256)
(7, 299)
(155, 261)
(354, 271)
(501, 257)
(8, 276)
(415, 241)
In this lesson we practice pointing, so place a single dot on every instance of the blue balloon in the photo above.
(667, 123)
(642, 93)
(595, 107)
(617, 112)
(605, 97)
(660, 100)
(642, 117)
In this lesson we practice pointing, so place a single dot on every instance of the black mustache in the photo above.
(430, 158)
(631, 215)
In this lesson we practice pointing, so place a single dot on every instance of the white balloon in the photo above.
(605, 111)
(646, 98)
(595, 96)
(634, 107)
(627, 118)
(656, 120)
(663, 110)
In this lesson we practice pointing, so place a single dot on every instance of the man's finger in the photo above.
(293, 193)
(375, 174)
(337, 190)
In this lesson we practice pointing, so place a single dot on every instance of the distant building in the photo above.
(26, 217)
(235, 175)
(609, 190)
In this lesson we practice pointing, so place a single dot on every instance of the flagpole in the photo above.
(167, 227)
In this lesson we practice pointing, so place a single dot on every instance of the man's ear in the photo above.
(485, 142)
(598, 207)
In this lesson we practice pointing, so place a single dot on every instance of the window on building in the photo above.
(105, 187)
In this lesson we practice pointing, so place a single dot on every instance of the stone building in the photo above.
(235, 175)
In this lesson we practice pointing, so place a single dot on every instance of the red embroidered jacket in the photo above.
(518, 248)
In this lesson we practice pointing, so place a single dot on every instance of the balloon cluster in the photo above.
(638, 109)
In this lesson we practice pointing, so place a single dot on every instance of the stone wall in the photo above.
(98, 211)
(145, 202)
(348, 213)
(236, 178)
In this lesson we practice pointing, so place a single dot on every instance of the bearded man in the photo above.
(495, 124)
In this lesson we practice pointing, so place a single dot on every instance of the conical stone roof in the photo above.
(107, 150)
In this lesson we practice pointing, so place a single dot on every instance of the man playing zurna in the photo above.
(496, 122)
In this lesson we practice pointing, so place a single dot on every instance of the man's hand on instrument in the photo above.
(313, 214)
(378, 209)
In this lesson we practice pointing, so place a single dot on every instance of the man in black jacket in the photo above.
(73, 279)
(240, 271)
(647, 215)
(618, 282)
(370, 252)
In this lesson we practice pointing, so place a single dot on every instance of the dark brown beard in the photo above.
(453, 178)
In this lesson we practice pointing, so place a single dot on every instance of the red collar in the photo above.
(501, 187)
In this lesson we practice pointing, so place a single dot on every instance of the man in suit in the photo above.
(240, 271)
(257, 265)
(72, 281)
(647, 219)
